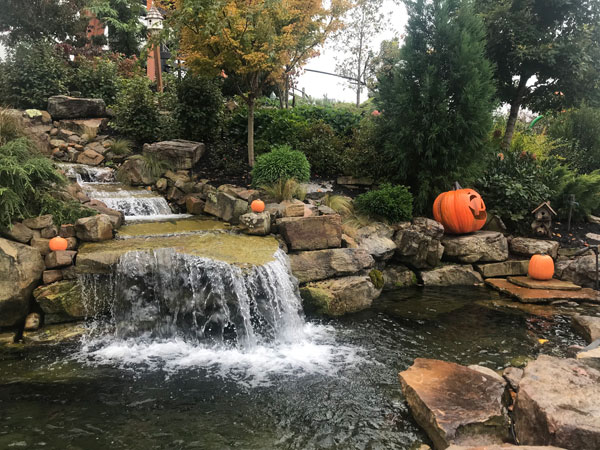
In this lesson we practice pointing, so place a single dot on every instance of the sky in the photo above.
(318, 85)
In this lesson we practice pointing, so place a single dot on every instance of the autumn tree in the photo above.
(355, 43)
(546, 53)
(257, 41)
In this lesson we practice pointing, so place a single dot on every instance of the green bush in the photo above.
(578, 134)
(281, 163)
(199, 109)
(96, 78)
(33, 72)
(389, 203)
(136, 112)
(11, 127)
(63, 211)
(324, 150)
(585, 188)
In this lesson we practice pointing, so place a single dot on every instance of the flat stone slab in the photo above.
(171, 227)
(527, 295)
(455, 404)
(503, 269)
(503, 447)
(552, 284)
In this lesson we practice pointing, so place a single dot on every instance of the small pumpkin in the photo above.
(541, 267)
(58, 244)
(460, 211)
(257, 206)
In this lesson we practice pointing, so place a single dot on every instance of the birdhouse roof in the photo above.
(544, 205)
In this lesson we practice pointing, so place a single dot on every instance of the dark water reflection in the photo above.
(50, 401)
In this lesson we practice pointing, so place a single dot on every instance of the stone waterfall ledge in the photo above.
(241, 250)
(339, 296)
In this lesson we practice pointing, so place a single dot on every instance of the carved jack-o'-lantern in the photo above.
(460, 211)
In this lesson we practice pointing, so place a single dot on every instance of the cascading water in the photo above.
(136, 204)
(176, 310)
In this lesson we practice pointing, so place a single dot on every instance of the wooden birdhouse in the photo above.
(542, 223)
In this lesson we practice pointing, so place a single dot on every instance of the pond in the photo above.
(337, 389)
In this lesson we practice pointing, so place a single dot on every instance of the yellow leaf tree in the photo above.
(259, 41)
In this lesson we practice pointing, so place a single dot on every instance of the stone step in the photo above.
(527, 295)
(552, 284)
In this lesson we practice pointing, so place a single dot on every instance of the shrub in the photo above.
(25, 176)
(96, 78)
(33, 72)
(63, 211)
(285, 190)
(10, 126)
(199, 109)
(586, 189)
(280, 163)
(324, 150)
(136, 113)
(389, 203)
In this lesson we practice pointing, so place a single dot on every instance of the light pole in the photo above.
(155, 26)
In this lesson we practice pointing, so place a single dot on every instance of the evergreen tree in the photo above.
(437, 100)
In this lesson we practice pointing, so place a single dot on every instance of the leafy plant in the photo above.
(136, 113)
(63, 211)
(282, 163)
(96, 78)
(389, 203)
(121, 147)
(285, 190)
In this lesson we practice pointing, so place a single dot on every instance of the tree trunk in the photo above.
(515, 105)
(251, 131)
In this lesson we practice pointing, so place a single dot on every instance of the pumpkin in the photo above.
(541, 267)
(460, 211)
(257, 206)
(57, 244)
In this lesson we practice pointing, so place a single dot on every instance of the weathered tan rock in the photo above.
(134, 172)
(49, 232)
(587, 326)
(54, 334)
(63, 107)
(527, 295)
(258, 224)
(225, 206)
(18, 232)
(90, 157)
(481, 246)
(452, 275)
(557, 404)
(59, 259)
(419, 243)
(339, 296)
(94, 228)
(292, 208)
(580, 270)
(503, 269)
(61, 302)
(311, 233)
(21, 270)
(398, 277)
(37, 223)
(179, 153)
(513, 376)
(50, 276)
(375, 238)
(592, 354)
(553, 283)
(32, 321)
(322, 264)
(455, 404)
(41, 244)
(81, 126)
(503, 447)
(194, 204)
(530, 247)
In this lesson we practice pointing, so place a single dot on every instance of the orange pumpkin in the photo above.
(257, 206)
(541, 267)
(460, 211)
(57, 244)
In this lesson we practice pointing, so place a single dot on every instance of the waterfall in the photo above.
(162, 294)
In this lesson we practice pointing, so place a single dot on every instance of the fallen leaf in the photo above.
(542, 341)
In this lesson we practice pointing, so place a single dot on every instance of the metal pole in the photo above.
(571, 203)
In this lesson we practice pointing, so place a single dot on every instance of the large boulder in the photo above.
(455, 404)
(225, 206)
(397, 276)
(339, 296)
(179, 153)
(61, 302)
(375, 238)
(95, 228)
(418, 244)
(587, 326)
(311, 233)
(322, 264)
(452, 275)
(529, 247)
(481, 246)
(557, 404)
(39, 222)
(82, 126)
(64, 107)
(134, 172)
(90, 157)
(580, 270)
(18, 232)
(21, 270)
